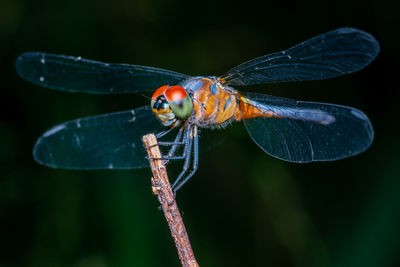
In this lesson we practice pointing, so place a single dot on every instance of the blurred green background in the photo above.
(243, 207)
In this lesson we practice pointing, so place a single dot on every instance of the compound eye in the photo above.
(180, 102)
(159, 91)
(175, 93)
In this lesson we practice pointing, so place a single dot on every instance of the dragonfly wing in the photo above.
(75, 74)
(328, 55)
(109, 141)
(308, 131)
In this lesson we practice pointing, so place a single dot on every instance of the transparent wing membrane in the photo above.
(75, 74)
(328, 55)
(109, 141)
(308, 131)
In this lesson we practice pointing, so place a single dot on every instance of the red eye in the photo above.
(159, 91)
(175, 92)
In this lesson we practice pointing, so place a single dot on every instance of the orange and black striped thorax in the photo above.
(215, 104)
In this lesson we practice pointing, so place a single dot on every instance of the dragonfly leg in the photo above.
(170, 143)
(170, 155)
(178, 184)
(161, 134)
(176, 141)
(187, 153)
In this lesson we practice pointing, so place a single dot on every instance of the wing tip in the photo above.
(38, 153)
(374, 46)
(42, 152)
(25, 67)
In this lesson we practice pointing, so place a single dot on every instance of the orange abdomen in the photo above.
(248, 109)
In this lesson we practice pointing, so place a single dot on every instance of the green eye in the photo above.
(182, 108)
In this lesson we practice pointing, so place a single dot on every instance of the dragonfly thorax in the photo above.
(171, 105)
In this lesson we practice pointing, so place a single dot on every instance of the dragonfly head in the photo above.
(171, 105)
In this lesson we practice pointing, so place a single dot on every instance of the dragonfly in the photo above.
(294, 131)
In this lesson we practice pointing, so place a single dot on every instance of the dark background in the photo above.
(243, 207)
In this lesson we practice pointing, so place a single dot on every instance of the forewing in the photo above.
(75, 74)
(328, 55)
(109, 141)
(308, 131)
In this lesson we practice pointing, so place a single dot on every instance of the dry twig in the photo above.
(162, 189)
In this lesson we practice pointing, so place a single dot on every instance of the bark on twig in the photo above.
(162, 189)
